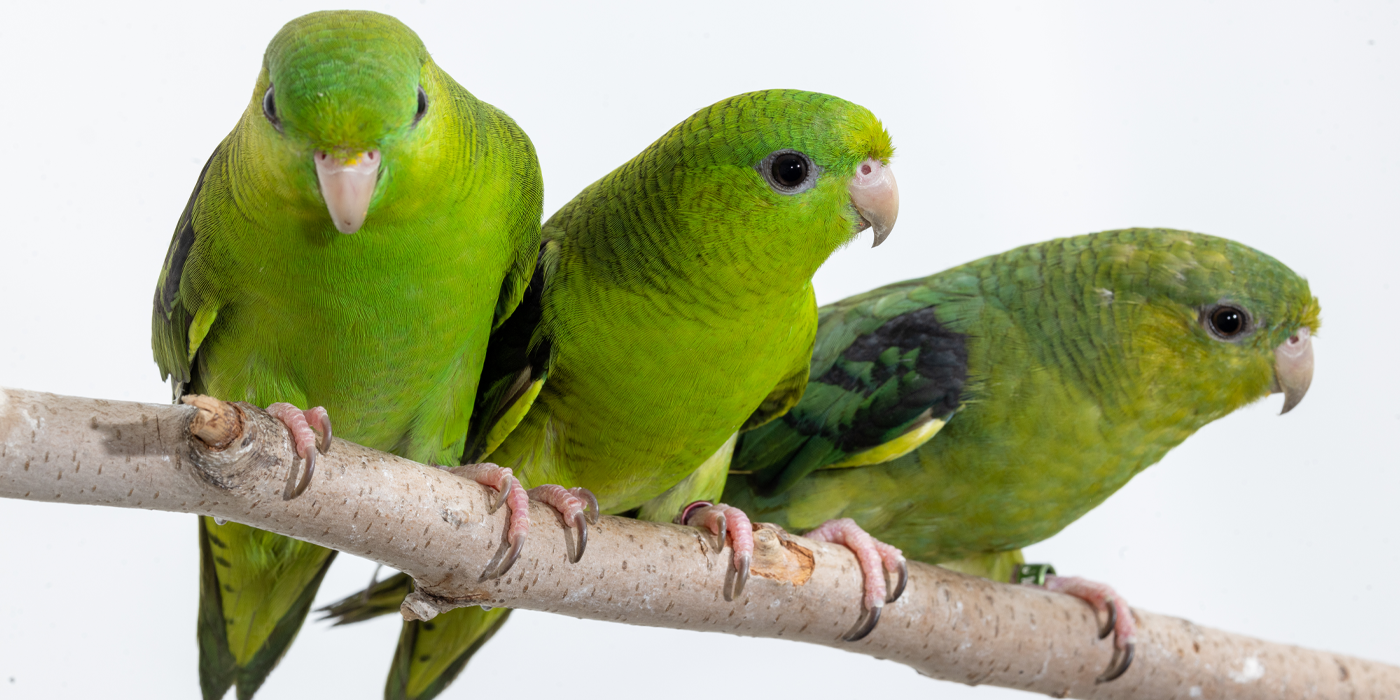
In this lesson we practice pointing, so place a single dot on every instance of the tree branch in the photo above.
(436, 527)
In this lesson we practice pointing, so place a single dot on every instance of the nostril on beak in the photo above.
(875, 196)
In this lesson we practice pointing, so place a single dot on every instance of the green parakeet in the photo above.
(350, 245)
(965, 415)
(671, 308)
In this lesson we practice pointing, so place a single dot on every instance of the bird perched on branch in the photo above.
(349, 246)
(965, 415)
(671, 308)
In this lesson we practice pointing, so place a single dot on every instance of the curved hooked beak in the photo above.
(347, 185)
(875, 196)
(1293, 368)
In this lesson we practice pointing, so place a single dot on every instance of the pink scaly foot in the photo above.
(304, 438)
(725, 522)
(577, 505)
(1104, 600)
(511, 494)
(875, 559)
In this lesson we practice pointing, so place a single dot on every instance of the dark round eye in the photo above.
(270, 109)
(422, 105)
(1228, 321)
(788, 171)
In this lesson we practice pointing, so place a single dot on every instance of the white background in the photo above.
(1277, 124)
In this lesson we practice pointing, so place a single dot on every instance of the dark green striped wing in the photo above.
(886, 374)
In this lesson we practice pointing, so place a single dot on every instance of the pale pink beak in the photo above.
(347, 185)
(876, 197)
(1293, 368)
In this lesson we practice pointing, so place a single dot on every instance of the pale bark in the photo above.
(436, 527)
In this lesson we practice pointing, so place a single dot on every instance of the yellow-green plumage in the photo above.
(431, 654)
(262, 300)
(677, 295)
(672, 306)
(1084, 361)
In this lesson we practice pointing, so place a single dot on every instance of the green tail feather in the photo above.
(431, 654)
(255, 591)
(217, 669)
(381, 599)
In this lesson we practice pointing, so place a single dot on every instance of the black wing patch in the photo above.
(909, 370)
(170, 315)
(909, 365)
(179, 249)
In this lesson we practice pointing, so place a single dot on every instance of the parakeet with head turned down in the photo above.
(671, 308)
(350, 245)
(965, 415)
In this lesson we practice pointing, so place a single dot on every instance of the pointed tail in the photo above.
(255, 589)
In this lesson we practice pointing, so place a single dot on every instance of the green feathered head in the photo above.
(1208, 324)
(765, 184)
(343, 99)
(347, 81)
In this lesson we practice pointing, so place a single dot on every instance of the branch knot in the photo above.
(217, 424)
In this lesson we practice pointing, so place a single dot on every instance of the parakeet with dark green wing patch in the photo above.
(350, 245)
(672, 307)
(968, 414)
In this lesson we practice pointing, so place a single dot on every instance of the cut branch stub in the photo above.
(234, 446)
(779, 557)
(217, 423)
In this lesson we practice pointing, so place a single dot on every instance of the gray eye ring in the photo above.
(788, 171)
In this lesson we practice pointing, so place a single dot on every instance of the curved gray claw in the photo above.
(741, 577)
(865, 625)
(501, 500)
(903, 581)
(305, 477)
(581, 522)
(1112, 621)
(1118, 665)
(504, 559)
(591, 502)
(324, 443)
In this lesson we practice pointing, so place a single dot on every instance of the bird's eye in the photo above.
(270, 109)
(422, 106)
(788, 171)
(1227, 322)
